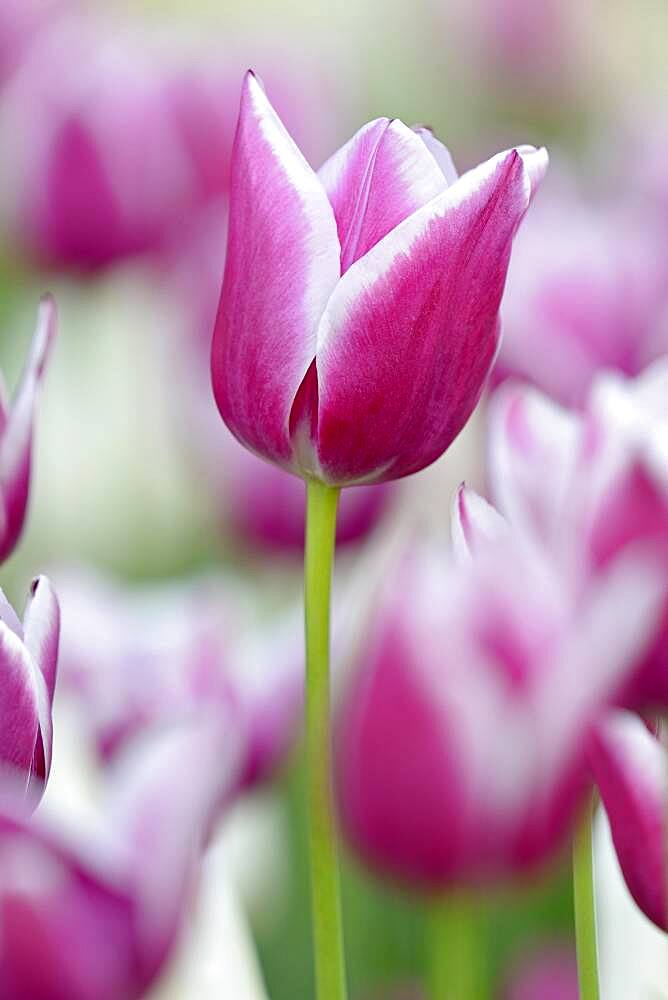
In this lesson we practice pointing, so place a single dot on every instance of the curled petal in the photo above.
(41, 626)
(282, 264)
(379, 178)
(440, 153)
(21, 692)
(629, 766)
(411, 330)
(16, 442)
(474, 522)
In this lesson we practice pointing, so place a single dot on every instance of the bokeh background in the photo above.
(116, 124)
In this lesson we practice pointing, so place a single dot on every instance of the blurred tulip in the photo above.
(98, 917)
(587, 290)
(138, 656)
(29, 655)
(16, 431)
(19, 22)
(602, 490)
(550, 974)
(331, 277)
(462, 736)
(630, 768)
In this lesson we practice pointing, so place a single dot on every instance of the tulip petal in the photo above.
(411, 330)
(474, 523)
(374, 182)
(529, 432)
(629, 766)
(41, 634)
(19, 701)
(440, 153)
(166, 792)
(282, 264)
(16, 442)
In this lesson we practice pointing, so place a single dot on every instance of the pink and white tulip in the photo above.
(463, 733)
(96, 917)
(28, 663)
(358, 317)
(137, 657)
(587, 290)
(16, 432)
(588, 490)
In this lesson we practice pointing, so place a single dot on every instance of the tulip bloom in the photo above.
(28, 657)
(16, 428)
(462, 737)
(98, 918)
(358, 317)
(602, 491)
(587, 290)
(136, 657)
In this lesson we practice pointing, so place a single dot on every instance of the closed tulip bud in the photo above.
(358, 318)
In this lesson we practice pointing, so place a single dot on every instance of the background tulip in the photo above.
(321, 372)
(99, 917)
(29, 655)
(137, 657)
(462, 735)
(587, 290)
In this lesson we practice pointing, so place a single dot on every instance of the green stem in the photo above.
(457, 968)
(321, 505)
(585, 906)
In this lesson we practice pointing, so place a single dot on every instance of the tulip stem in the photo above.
(321, 506)
(455, 961)
(585, 905)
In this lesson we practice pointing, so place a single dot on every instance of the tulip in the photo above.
(358, 317)
(134, 658)
(97, 917)
(603, 487)
(587, 290)
(626, 760)
(462, 737)
(16, 430)
(29, 654)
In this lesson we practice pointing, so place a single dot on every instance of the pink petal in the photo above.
(629, 765)
(282, 265)
(16, 441)
(41, 634)
(474, 523)
(411, 330)
(19, 701)
(379, 178)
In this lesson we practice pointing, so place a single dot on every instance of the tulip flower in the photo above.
(602, 490)
(626, 760)
(16, 429)
(134, 658)
(97, 917)
(462, 737)
(587, 290)
(359, 312)
(28, 654)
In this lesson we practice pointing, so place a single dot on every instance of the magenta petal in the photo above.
(411, 330)
(282, 265)
(19, 700)
(629, 766)
(379, 178)
(41, 625)
(16, 441)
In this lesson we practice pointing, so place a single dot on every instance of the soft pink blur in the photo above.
(549, 974)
